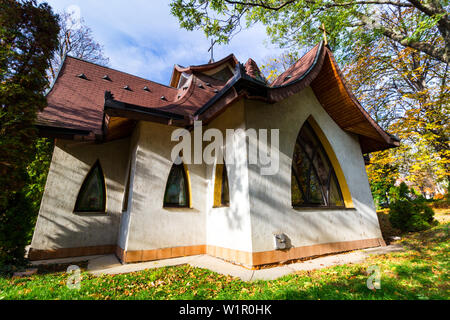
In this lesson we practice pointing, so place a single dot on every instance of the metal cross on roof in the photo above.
(213, 42)
(322, 28)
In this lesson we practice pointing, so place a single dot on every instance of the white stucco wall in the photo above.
(150, 225)
(124, 226)
(270, 196)
(230, 227)
(57, 225)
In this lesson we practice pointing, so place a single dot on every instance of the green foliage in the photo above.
(15, 224)
(409, 211)
(28, 37)
(37, 172)
(382, 173)
(275, 66)
(295, 23)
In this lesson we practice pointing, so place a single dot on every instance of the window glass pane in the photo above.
(176, 188)
(308, 141)
(315, 191)
(91, 197)
(322, 168)
(297, 196)
(127, 192)
(225, 197)
(301, 165)
(311, 172)
(335, 194)
(223, 74)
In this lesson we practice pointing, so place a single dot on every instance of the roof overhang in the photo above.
(50, 131)
(178, 70)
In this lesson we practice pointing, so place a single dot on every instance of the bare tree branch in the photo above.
(267, 6)
(76, 39)
(425, 47)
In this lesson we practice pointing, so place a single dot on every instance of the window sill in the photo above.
(223, 206)
(91, 213)
(180, 209)
(323, 209)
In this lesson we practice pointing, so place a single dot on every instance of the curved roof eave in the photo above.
(177, 69)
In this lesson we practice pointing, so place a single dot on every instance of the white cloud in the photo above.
(143, 38)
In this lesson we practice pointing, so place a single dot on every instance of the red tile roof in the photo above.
(79, 102)
(298, 69)
(252, 69)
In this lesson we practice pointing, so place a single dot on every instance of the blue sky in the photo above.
(141, 37)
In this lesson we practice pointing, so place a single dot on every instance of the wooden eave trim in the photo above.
(385, 136)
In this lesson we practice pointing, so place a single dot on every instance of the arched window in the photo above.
(92, 194)
(313, 179)
(177, 187)
(126, 191)
(221, 188)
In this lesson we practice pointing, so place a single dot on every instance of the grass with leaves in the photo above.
(420, 272)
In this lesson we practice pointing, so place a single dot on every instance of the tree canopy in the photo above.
(28, 37)
(294, 23)
(395, 56)
(407, 92)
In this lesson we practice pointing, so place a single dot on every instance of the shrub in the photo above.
(409, 211)
(15, 223)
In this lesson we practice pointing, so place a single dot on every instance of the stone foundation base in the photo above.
(249, 259)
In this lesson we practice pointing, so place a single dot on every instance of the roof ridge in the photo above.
(206, 65)
(292, 66)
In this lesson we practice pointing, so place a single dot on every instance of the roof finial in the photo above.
(213, 42)
(322, 28)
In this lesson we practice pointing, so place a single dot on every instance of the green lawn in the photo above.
(421, 272)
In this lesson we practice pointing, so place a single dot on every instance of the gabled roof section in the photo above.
(177, 70)
(252, 69)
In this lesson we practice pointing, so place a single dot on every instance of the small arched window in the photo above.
(221, 188)
(92, 194)
(313, 179)
(177, 187)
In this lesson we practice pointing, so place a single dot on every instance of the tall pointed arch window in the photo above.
(126, 194)
(221, 187)
(313, 179)
(92, 194)
(177, 187)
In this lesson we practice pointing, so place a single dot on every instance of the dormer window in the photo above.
(224, 74)
(184, 78)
